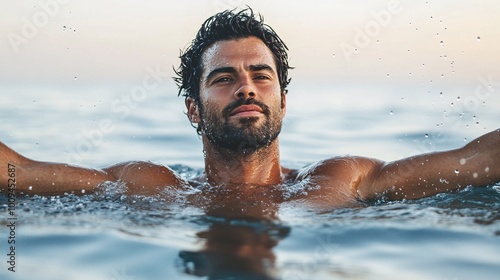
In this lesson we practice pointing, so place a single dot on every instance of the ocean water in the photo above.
(109, 235)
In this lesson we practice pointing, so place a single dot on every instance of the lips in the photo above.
(247, 110)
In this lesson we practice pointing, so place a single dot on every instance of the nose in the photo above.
(245, 91)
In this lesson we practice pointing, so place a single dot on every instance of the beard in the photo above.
(245, 138)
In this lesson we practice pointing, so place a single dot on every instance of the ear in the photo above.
(193, 111)
(283, 103)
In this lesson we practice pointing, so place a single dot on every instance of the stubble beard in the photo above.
(244, 138)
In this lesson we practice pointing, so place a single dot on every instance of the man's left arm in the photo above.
(475, 164)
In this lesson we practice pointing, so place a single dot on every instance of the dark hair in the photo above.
(228, 25)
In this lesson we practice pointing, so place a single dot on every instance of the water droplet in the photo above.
(426, 135)
(76, 78)
(30, 188)
(462, 162)
(456, 171)
(64, 27)
(441, 43)
(83, 190)
(391, 113)
(478, 38)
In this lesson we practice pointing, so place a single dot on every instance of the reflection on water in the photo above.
(235, 249)
(150, 236)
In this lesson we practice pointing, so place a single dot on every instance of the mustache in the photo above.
(239, 102)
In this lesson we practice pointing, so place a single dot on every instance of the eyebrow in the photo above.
(256, 67)
(260, 67)
(220, 70)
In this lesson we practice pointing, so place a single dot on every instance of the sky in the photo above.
(357, 55)
(389, 41)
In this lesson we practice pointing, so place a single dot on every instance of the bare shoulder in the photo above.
(336, 180)
(145, 177)
(343, 168)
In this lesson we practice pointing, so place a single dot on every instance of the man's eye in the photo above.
(222, 80)
(262, 77)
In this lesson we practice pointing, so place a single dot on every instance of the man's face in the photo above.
(242, 105)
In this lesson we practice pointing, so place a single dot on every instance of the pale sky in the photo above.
(452, 41)
(383, 51)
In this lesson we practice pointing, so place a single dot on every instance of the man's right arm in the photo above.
(46, 178)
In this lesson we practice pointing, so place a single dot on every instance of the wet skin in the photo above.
(244, 69)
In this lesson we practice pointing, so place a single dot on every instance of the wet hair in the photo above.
(228, 25)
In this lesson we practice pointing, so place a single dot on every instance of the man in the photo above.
(234, 79)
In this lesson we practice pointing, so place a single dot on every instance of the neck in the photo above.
(225, 167)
